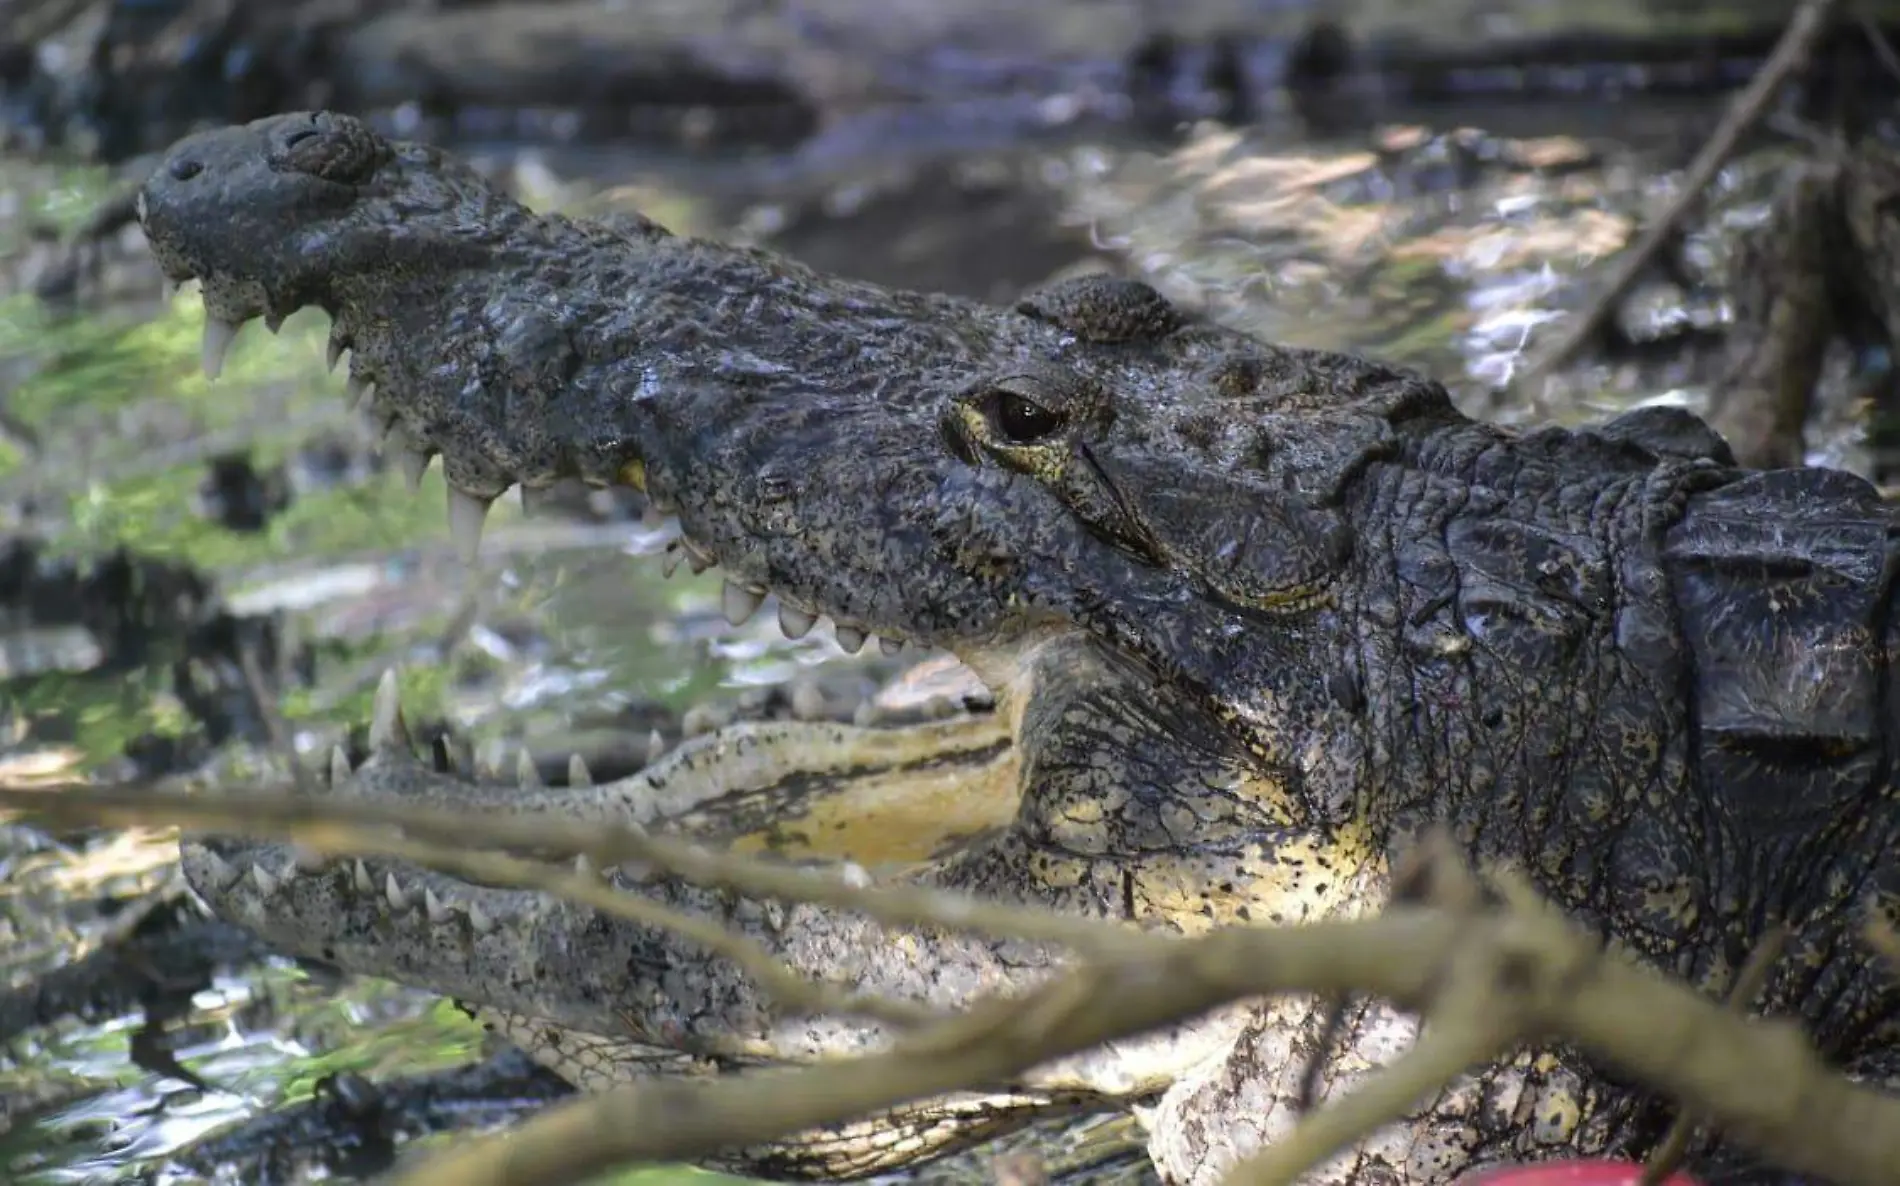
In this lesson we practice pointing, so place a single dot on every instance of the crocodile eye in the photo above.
(334, 147)
(1023, 421)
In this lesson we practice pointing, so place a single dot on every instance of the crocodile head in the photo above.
(1256, 613)
(1209, 576)
(911, 466)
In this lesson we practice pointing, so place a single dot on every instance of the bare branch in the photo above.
(1758, 1080)
(1748, 985)
(1442, 1054)
(793, 991)
(1807, 23)
(310, 820)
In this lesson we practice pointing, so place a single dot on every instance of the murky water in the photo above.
(567, 636)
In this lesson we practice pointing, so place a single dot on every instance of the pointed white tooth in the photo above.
(525, 773)
(393, 893)
(890, 646)
(387, 729)
(478, 921)
(656, 747)
(359, 876)
(739, 602)
(670, 562)
(356, 390)
(578, 775)
(415, 463)
(339, 766)
(795, 622)
(433, 908)
(850, 639)
(697, 557)
(219, 334)
(218, 871)
(262, 878)
(334, 348)
(583, 866)
(808, 701)
(466, 516)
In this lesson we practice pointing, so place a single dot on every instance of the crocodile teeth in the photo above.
(578, 775)
(479, 921)
(355, 390)
(466, 516)
(739, 602)
(525, 773)
(795, 622)
(339, 766)
(890, 646)
(264, 880)
(433, 907)
(697, 557)
(656, 746)
(670, 563)
(219, 334)
(414, 463)
(387, 729)
(333, 350)
(852, 640)
(583, 867)
(360, 878)
(393, 893)
(218, 871)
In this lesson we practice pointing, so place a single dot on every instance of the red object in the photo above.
(1593, 1172)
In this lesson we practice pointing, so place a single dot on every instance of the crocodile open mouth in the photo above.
(740, 600)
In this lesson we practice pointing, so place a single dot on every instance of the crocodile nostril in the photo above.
(185, 168)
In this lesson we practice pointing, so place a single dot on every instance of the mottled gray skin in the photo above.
(1254, 615)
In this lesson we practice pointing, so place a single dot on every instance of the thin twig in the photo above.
(1748, 985)
(1442, 1054)
(1759, 1081)
(275, 728)
(301, 819)
(1743, 114)
(1883, 49)
(795, 992)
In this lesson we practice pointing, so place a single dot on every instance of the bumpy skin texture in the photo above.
(1254, 616)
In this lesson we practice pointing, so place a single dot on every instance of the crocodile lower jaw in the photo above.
(467, 513)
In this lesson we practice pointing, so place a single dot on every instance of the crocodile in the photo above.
(1254, 617)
